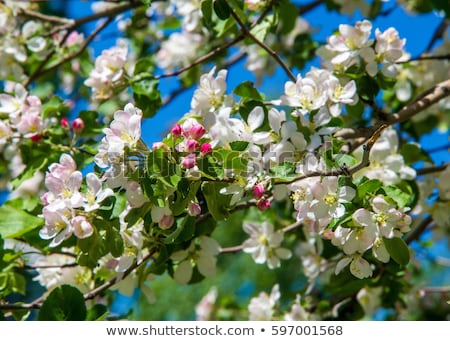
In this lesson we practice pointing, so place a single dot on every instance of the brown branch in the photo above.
(49, 18)
(424, 101)
(40, 71)
(347, 171)
(272, 53)
(308, 7)
(203, 58)
(417, 232)
(97, 291)
(432, 169)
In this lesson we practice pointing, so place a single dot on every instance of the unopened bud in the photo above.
(191, 146)
(263, 204)
(64, 122)
(205, 148)
(78, 125)
(189, 161)
(176, 130)
(258, 191)
(194, 209)
(35, 137)
(197, 131)
(166, 221)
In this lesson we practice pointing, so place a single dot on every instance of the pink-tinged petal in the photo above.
(255, 118)
(363, 217)
(352, 244)
(380, 205)
(320, 209)
(183, 272)
(206, 264)
(360, 268)
(283, 253)
(67, 162)
(380, 252)
(93, 182)
(318, 190)
(337, 211)
(342, 264)
(346, 193)
(330, 183)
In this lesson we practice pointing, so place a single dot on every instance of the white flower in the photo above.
(305, 94)
(108, 71)
(52, 272)
(329, 199)
(359, 267)
(204, 308)
(262, 307)
(135, 196)
(202, 254)
(386, 164)
(254, 121)
(95, 194)
(389, 48)
(264, 244)
(179, 50)
(82, 228)
(57, 226)
(124, 131)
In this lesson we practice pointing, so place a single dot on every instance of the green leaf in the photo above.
(288, 14)
(284, 171)
(145, 66)
(160, 166)
(247, 90)
(239, 146)
(261, 30)
(367, 88)
(412, 153)
(146, 94)
(217, 203)
(206, 8)
(222, 9)
(65, 303)
(403, 193)
(398, 250)
(114, 241)
(14, 222)
(97, 313)
(369, 186)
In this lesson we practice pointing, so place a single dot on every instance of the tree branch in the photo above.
(432, 169)
(40, 71)
(425, 100)
(417, 232)
(365, 161)
(272, 53)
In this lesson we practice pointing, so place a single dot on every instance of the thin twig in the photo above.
(40, 72)
(365, 161)
(417, 232)
(272, 53)
(97, 291)
(432, 169)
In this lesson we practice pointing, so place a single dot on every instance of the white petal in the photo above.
(255, 118)
(183, 273)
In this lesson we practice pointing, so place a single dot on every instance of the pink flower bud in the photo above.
(194, 209)
(191, 146)
(263, 205)
(189, 161)
(205, 148)
(166, 221)
(258, 191)
(158, 145)
(35, 138)
(177, 130)
(197, 131)
(78, 125)
(64, 122)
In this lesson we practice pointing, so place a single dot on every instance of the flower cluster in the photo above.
(370, 228)
(353, 46)
(66, 209)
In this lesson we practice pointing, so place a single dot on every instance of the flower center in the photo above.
(330, 199)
